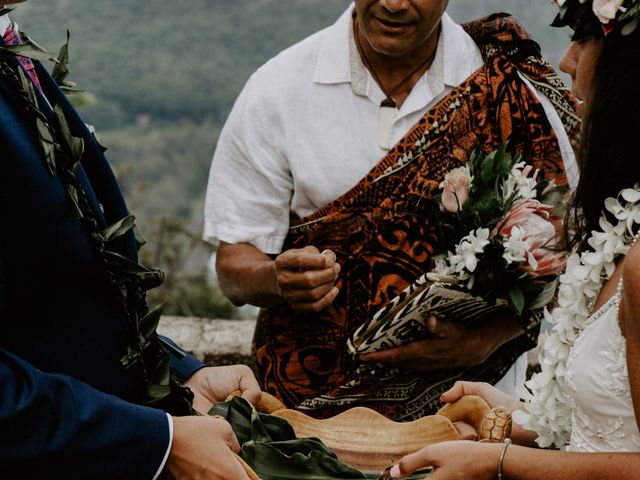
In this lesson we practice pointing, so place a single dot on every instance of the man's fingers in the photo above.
(249, 474)
(228, 435)
(202, 404)
(433, 325)
(288, 279)
(307, 295)
(308, 258)
(330, 253)
(318, 305)
(248, 384)
(406, 353)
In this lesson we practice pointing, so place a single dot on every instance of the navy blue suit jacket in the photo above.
(67, 408)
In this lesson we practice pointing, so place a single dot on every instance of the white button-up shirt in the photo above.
(304, 131)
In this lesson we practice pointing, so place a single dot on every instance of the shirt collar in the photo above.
(339, 61)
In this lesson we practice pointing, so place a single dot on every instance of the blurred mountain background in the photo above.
(163, 76)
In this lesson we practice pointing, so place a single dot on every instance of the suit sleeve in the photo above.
(182, 362)
(54, 426)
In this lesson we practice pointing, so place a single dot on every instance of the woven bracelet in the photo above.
(506, 444)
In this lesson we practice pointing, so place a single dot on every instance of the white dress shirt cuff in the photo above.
(166, 455)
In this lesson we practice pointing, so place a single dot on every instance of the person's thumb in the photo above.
(455, 393)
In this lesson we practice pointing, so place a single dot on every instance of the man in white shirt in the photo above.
(87, 388)
(305, 134)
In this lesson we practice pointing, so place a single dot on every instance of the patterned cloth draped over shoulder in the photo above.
(383, 235)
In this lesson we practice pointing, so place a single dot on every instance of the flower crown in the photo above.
(587, 17)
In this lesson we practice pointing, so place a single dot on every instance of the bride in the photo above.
(587, 397)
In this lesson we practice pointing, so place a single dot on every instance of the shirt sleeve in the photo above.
(169, 445)
(250, 186)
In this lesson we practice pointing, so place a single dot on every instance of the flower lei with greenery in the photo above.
(549, 407)
(63, 153)
(621, 15)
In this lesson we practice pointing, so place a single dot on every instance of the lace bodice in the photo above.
(603, 418)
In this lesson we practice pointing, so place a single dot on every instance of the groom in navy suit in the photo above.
(87, 388)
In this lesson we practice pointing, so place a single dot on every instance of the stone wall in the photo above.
(215, 342)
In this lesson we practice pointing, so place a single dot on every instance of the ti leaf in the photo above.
(516, 298)
(271, 449)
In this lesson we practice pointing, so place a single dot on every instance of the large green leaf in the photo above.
(270, 447)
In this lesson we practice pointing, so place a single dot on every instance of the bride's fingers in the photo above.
(411, 463)
(459, 390)
(466, 431)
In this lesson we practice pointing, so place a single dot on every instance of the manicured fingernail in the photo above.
(395, 471)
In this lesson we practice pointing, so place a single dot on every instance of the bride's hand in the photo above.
(490, 394)
(456, 459)
(494, 398)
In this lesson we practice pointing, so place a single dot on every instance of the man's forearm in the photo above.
(503, 328)
(247, 275)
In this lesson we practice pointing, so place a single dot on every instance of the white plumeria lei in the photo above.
(549, 410)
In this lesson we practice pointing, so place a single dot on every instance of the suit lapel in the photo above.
(94, 173)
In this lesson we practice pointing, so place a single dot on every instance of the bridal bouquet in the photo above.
(498, 231)
(497, 228)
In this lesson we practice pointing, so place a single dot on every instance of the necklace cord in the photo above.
(388, 101)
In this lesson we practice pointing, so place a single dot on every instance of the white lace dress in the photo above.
(603, 418)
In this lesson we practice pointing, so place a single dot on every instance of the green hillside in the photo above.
(166, 73)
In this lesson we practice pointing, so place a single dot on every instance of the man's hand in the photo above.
(203, 448)
(211, 385)
(306, 278)
(449, 345)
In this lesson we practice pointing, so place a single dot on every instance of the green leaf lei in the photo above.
(62, 153)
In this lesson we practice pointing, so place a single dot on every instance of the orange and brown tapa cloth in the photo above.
(383, 235)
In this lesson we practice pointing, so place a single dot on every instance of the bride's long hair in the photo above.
(609, 156)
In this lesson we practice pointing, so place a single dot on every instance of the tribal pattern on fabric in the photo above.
(383, 235)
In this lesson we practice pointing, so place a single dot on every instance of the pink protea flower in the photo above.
(455, 189)
(529, 223)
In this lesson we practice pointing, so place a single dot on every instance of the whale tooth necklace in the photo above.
(388, 106)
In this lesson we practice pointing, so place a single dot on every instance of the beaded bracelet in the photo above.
(506, 444)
